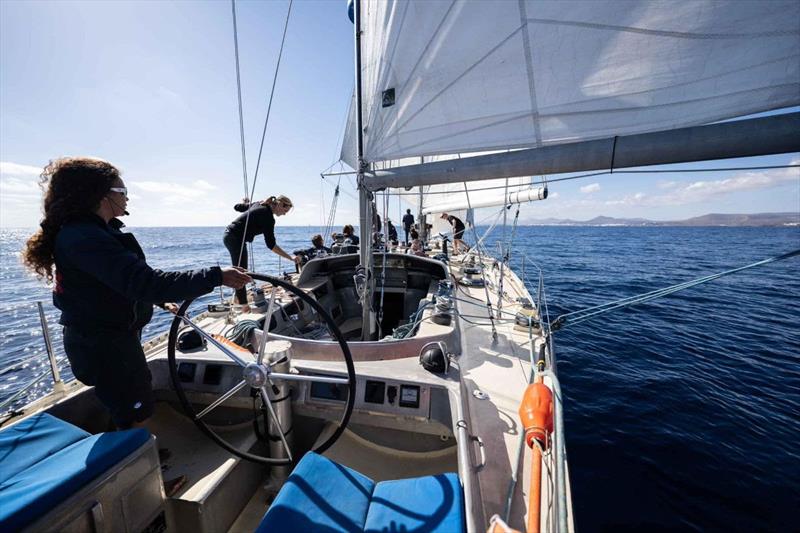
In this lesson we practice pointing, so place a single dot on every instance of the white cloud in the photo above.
(591, 188)
(15, 169)
(703, 190)
(175, 191)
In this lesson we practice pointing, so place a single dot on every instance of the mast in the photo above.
(364, 195)
(776, 134)
(423, 227)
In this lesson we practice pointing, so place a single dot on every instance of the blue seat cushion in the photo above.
(35, 438)
(325, 497)
(31, 493)
(430, 503)
(320, 496)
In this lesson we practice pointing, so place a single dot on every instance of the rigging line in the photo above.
(266, 122)
(562, 320)
(483, 271)
(239, 94)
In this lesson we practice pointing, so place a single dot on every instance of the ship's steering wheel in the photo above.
(258, 375)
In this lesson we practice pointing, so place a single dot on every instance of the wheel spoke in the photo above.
(267, 322)
(268, 403)
(221, 399)
(306, 377)
(238, 360)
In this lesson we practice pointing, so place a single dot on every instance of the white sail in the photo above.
(470, 76)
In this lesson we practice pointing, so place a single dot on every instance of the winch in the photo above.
(526, 316)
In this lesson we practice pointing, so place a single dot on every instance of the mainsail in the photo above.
(467, 76)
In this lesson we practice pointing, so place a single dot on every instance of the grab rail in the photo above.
(54, 363)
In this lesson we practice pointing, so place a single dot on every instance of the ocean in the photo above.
(680, 414)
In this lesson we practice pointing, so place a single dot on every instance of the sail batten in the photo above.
(463, 76)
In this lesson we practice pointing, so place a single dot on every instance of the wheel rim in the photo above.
(193, 415)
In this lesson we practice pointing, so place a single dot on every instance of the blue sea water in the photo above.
(681, 414)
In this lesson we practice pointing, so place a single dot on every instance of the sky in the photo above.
(151, 87)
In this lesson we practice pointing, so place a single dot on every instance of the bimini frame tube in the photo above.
(776, 134)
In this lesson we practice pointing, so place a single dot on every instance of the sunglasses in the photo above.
(122, 190)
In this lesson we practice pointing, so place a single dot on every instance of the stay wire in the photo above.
(590, 312)
(266, 119)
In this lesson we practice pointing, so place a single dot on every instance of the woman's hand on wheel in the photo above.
(235, 277)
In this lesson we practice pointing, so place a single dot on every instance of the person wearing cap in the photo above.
(256, 219)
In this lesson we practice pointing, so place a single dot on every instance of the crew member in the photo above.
(349, 233)
(408, 223)
(256, 219)
(392, 231)
(458, 232)
(103, 286)
(318, 249)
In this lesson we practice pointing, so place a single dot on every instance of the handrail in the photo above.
(54, 363)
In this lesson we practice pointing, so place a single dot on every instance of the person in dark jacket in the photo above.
(392, 232)
(103, 286)
(458, 232)
(408, 223)
(257, 219)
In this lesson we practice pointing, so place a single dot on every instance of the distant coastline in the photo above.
(709, 220)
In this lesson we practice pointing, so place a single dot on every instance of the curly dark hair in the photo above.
(73, 186)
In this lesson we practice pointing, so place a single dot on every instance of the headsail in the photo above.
(461, 76)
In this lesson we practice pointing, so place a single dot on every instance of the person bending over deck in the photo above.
(103, 286)
(256, 219)
(458, 233)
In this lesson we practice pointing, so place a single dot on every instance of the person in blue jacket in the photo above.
(103, 286)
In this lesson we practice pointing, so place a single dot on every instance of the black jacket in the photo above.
(103, 281)
(262, 221)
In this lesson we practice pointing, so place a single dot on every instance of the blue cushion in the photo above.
(325, 497)
(32, 492)
(430, 503)
(35, 438)
(320, 496)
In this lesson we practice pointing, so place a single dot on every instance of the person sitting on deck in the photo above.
(392, 232)
(349, 233)
(256, 219)
(318, 249)
(416, 248)
(458, 233)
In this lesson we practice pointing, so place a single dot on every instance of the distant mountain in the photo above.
(711, 219)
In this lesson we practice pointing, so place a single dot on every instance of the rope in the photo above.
(266, 120)
(590, 312)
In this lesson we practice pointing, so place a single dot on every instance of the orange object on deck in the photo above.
(536, 414)
(229, 343)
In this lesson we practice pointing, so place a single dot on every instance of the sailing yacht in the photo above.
(383, 391)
